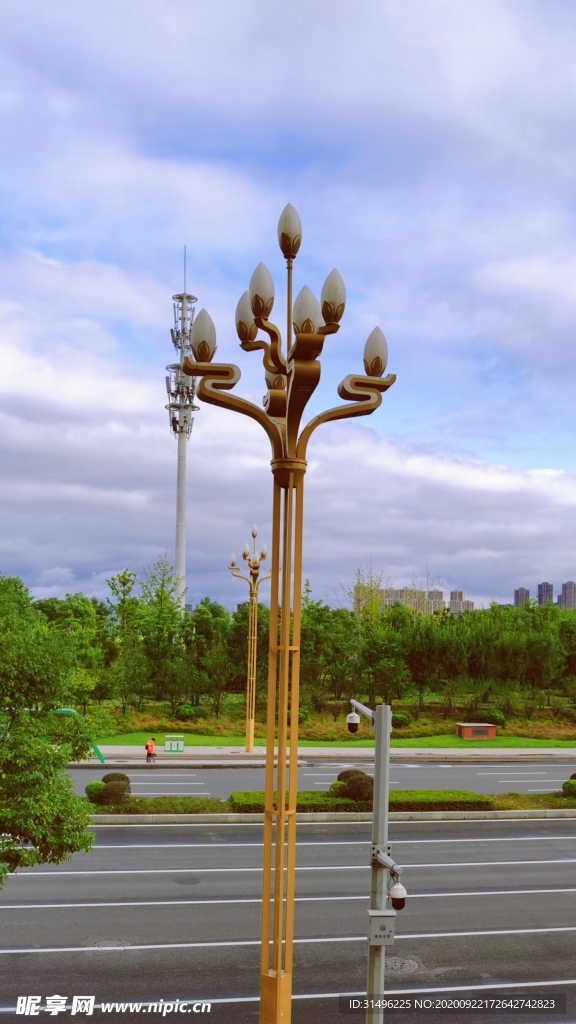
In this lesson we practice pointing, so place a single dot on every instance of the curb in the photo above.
(202, 758)
(258, 819)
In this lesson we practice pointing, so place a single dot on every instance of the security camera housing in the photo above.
(352, 721)
(398, 896)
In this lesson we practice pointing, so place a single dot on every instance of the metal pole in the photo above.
(378, 886)
(251, 673)
(180, 545)
(181, 387)
(180, 541)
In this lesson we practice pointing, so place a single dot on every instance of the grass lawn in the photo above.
(138, 739)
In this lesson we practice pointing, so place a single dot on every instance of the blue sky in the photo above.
(428, 146)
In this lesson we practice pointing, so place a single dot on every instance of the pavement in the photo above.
(483, 776)
(162, 913)
(225, 756)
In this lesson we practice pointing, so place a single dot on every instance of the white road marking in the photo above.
(301, 942)
(511, 773)
(322, 842)
(231, 1000)
(319, 867)
(298, 899)
(217, 846)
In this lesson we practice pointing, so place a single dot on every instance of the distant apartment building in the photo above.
(458, 603)
(567, 599)
(545, 593)
(425, 601)
(521, 596)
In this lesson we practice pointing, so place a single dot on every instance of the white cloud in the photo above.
(428, 148)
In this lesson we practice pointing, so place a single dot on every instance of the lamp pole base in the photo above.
(275, 998)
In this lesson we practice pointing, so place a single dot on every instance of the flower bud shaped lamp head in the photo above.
(375, 353)
(245, 326)
(245, 551)
(261, 291)
(333, 298)
(254, 530)
(398, 896)
(263, 552)
(232, 563)
(307, 315)
(275, 381)
(203, 338)
(289, 232)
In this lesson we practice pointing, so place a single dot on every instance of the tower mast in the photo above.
(181, 391)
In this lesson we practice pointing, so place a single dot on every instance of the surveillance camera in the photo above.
(352, 721)
(398, 896)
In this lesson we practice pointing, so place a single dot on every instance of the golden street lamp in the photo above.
(291, 379)
(254, 561)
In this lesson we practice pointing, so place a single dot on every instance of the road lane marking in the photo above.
(298, 899)
(231, 1000)
(511, 773)
(300, 942)
(311, 867)
(322, 842)
(217, 846)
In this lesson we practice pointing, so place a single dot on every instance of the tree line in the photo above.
(138, 647)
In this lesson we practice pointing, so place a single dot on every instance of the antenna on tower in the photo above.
(181, 392)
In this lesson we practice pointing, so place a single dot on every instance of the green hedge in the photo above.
(400, 800)
(253, 803)
(439, 800)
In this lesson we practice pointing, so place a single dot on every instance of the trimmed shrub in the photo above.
(93, 790)
(253, 803)
(407, 800)
(337, 788)
(573, 776)
(359, 787)
(439, 800)
(348, 773)
(400, 720)
(569, 787)
(495, 717)
(116, 777)
(114, 792)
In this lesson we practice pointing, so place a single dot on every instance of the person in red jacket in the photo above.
(150, 750)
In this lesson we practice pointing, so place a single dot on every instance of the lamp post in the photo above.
(180, 388)
(291, 379)
(254, 560)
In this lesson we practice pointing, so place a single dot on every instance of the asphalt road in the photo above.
(220, 782)
(172, 912)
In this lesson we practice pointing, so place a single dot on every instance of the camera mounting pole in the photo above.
(384, 870)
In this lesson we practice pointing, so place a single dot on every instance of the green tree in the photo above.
(213, 667)
(41, 820)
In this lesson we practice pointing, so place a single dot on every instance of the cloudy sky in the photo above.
(428, 146)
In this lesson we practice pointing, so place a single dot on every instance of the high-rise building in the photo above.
(521, 596)
(567, 599)
(545, 593)
(459, 604)
(425, 601)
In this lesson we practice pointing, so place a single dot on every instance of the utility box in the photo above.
(381, 927)
(174, 744)
(476, 730)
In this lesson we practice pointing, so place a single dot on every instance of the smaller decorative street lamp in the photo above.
(253, 582)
